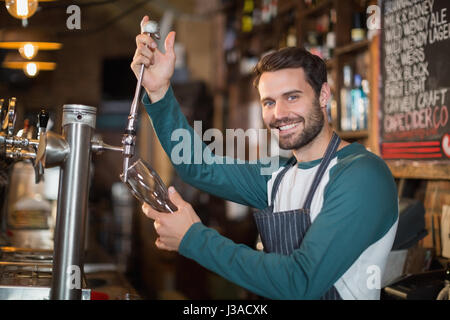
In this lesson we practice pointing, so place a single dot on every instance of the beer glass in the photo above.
(146, 185)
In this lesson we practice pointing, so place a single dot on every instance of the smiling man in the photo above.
(328, 215)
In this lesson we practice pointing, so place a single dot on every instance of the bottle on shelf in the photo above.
(265, 11)
(269, 10)
(359, 105)
(291, 38)
(315, 39)
(273, 8)
(257, 16)
(310, 3)
(356, 94)
(289, 33)
(247, 64)
(366, 90)
(346, 99)
(332, 103)
(358, 32)
(321, 40)
(314, 43)
(331, 108)
(331, 35)
(229, 43)
(247, 16)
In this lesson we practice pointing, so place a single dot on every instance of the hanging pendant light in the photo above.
(28, 41)
(31, 68)
(23, 9)
(28, 50)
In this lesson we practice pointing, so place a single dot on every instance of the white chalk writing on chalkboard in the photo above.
(414, 103)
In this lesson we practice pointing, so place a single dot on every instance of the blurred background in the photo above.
(84, 56)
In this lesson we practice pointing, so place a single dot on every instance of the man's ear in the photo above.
(325, 94)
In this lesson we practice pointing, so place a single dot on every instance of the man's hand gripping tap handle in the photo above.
(129, 138)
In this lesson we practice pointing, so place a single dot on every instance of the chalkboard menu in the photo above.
(415, 89)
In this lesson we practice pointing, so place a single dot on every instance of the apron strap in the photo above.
(291, 162)
(329, 155)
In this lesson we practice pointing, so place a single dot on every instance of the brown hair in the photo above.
(293, 57)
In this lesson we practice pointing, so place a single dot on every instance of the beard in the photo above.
(312, 127)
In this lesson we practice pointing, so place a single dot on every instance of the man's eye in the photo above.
(292, 97)
(268, 103)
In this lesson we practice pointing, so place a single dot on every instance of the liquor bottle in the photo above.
(346, 99)
(365, 115)
(291, 38)
(310, 3)
(265, 11)
(257, 16)
(358, 31)
(313, 43)
(331, 35)
(332, 103)
(331, 108)
(273, 8)
(247, 16)
(356, 94)
(359, 105)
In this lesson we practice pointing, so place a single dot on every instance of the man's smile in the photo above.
(287, 129)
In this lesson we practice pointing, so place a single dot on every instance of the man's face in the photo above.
(290, 107)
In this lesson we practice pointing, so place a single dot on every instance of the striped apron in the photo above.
(283, 232)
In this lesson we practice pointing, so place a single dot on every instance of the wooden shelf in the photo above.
(352, 47)
(412, 169)
(316, 10)
(286, 6)
(353, 135)
(229, 6)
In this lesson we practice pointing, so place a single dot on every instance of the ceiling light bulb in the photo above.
(31, 69)
(28, 51)
(21, 9)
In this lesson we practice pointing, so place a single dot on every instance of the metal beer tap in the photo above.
(71, 151)
(129, 138)
(15, 147)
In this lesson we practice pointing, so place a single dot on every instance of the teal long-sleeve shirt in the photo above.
(353, 230)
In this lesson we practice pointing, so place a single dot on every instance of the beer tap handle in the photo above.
(129, 138)
(43, 117)
(2, 110)
(2, 134)
(10, 119)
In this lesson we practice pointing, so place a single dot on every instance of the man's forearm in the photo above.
(157, 95)
(240, 183)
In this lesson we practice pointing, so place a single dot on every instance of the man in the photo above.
(328, 215)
